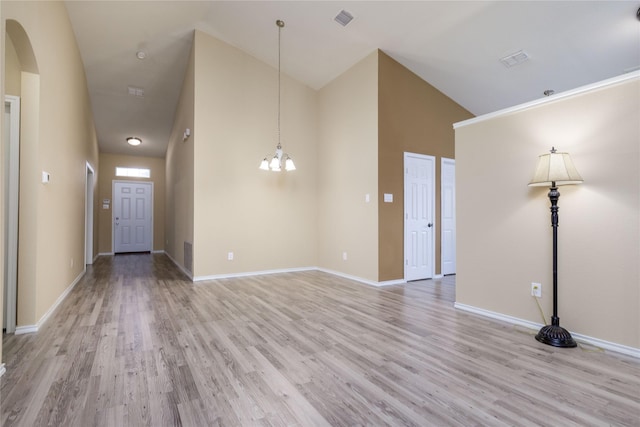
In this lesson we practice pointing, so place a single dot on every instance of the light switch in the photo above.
(45, 177)
(367, 198)
(388, 198)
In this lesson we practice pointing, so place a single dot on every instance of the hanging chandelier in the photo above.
(280, 159)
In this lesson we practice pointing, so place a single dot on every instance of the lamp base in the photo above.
(556, 336)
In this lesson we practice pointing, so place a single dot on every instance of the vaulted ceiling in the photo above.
(456, 46)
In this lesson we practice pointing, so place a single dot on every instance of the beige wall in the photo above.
(413, 117)
(12, 69)
(108, 163)
(504, 233)
(179, 175)
(267, 219)
(347, 171)
(57, 136)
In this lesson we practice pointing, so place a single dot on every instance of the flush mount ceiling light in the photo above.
(280, 159)
(141, 54)
(132, 140)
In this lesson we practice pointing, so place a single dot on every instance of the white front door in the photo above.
(132, 216)
(448, 215)
(419, 218)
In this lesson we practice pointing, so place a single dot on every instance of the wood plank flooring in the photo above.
(135, 344)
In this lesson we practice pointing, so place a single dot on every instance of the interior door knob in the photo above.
(430, 225)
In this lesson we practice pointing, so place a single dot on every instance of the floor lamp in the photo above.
(555, 169)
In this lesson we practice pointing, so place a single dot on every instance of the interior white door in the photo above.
(11, 168)
(419, 201)
(448, 215)
(132, 216)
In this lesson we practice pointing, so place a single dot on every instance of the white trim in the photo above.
(34, 328)
(251, 273)
(582, 89)
(27, 329)
(105, 254)
(437, 276)
(606, 345)
(89, 213)
(362, 280)
(12, 176)
(2, 369)
(161, 251)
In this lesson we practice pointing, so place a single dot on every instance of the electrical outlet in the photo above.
(536, 290)
(344, 256)
(230, 256)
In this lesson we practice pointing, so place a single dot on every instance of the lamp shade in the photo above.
(555, 167)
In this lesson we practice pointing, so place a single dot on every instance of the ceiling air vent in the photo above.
(135, 91)
(514, 59)
(343, 18)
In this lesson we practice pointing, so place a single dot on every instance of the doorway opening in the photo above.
(88, 216)
(11, 180)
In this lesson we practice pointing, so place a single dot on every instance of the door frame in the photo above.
(12, 211)
(432, 249)
(443, 162)
(88, 215)
(113, 214)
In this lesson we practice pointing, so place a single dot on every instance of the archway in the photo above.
(19, 160)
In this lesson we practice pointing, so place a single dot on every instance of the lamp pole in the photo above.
(554, 334)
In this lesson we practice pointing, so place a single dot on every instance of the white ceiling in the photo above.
(454, 45)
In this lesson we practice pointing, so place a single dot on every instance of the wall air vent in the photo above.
(514, 59)
(135, 91)
(343, 18)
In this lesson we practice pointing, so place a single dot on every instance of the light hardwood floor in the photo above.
(135, 344)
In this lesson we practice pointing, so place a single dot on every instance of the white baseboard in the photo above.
(606, 345)
(158, 252)
(26, 329)
(2, 369)
(251, 273)
(34, 328)
(105, 254)
(362, 280)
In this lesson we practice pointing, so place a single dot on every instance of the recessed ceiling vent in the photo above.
(343, 18)
(135, 91)
(514, 59)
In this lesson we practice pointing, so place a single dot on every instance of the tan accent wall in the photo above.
(267, 219)
(347, 171)
(504, 234)
(413, 117)
(179, 173)
(57, 136)
(108, 163)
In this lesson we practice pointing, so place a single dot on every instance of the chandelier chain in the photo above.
(279, 85)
